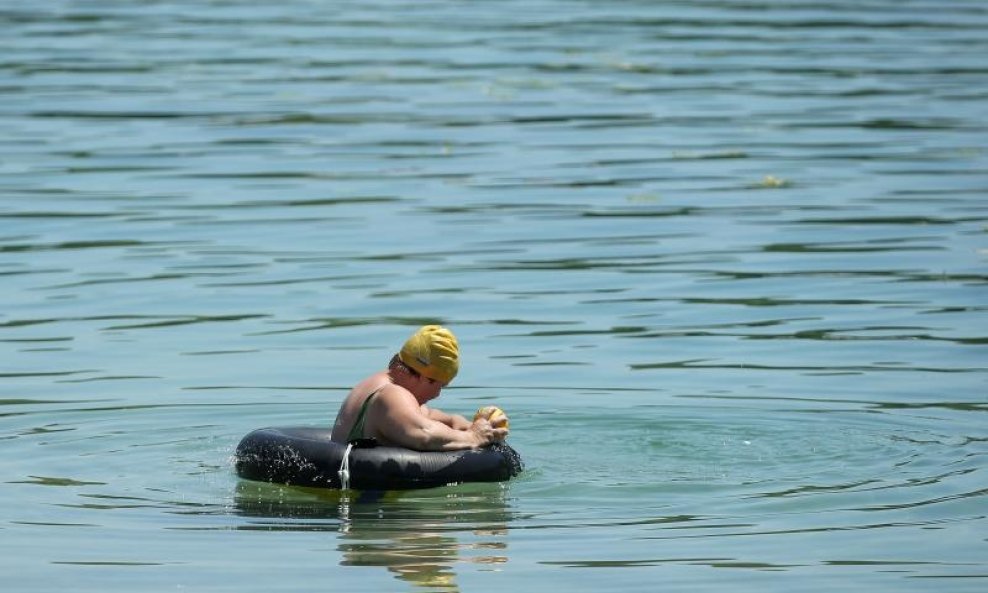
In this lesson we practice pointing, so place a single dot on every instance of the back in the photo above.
(352, 415)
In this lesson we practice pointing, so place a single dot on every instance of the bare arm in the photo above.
(454, 421)
(398, 419)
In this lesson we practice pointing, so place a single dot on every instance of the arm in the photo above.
(398, 419)
(454, 421)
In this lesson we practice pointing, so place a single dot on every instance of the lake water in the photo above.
(724, 263)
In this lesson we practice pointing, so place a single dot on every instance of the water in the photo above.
(722, 262)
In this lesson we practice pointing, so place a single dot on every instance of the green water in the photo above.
(724, 264)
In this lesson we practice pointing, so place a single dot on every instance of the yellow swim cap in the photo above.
(433, 352)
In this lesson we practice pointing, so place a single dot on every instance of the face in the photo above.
(427, 389)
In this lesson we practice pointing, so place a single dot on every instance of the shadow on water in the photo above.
(418, 536)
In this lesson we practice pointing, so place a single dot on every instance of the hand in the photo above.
(487, 434)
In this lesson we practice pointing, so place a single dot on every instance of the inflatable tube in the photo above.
(306, 456)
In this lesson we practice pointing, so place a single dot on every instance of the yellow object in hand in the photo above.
(494, 415)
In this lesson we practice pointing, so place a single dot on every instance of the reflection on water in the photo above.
(420, 536)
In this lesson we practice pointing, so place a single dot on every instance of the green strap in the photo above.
(357, 431)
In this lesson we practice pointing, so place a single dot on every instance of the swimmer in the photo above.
(390, 405)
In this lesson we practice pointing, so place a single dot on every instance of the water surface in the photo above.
(722, 262)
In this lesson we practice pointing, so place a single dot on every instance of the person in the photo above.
(390, 405)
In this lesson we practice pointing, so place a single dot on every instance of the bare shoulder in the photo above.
(371, 383)
(396, 396)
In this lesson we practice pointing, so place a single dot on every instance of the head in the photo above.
(431, 357)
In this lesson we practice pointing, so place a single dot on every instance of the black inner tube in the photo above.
(307, 456)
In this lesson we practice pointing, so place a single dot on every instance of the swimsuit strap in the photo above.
(357, 431)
